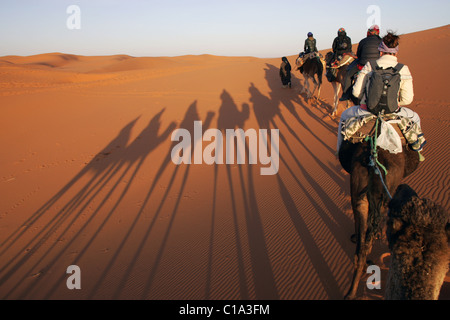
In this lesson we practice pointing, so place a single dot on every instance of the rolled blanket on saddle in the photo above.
(305, 56)
(393, 128)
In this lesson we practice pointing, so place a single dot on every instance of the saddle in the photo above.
(347, 57)
(305, 56)
(350, 55)
(358, 129)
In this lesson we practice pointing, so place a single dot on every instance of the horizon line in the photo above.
(194, 55)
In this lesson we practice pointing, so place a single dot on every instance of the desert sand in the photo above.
(86, 178)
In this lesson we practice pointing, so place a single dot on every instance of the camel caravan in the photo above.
(379, 143)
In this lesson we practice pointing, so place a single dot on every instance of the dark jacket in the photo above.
(368, 49)
(310, 45)
(341, 45)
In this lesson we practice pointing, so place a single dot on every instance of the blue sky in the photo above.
(260, 28)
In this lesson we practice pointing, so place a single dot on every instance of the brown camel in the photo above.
(369, 198)
(312, 69)
(338, 81)
(418, 231)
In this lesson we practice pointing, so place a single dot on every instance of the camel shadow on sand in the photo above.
(80, 211)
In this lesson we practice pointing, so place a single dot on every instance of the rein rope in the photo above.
(374, 157)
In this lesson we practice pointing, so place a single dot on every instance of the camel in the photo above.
(338, 81)
(418, 231)
(312, 68)
(369, 196)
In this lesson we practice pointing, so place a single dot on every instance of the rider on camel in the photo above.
(310, 48)
(341, 44)
(310, 44)
(367, 51)
(388, 50)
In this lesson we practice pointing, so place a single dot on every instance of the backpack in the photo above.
(382, 93)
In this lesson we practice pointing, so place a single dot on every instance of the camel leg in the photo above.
(306, 87)
(359, 180)
(348, 105)
(361, 212)
(315, 87)
(337, 89)
(308, 91)
(318, 91)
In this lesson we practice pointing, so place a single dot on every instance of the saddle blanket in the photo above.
(346, 59)
(395, 131)
(303, 57)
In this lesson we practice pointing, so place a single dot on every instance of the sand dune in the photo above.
(87, 178)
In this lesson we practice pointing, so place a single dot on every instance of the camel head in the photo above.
(328, 57)
(299, 62)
